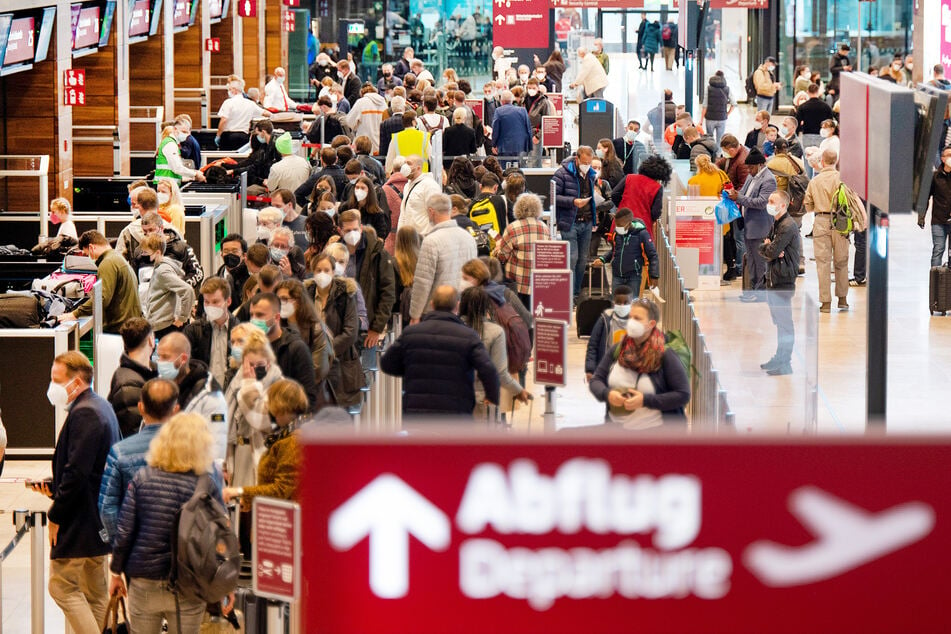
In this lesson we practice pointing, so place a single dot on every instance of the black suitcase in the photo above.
(592, 301)
(939, 292)
(253, 608)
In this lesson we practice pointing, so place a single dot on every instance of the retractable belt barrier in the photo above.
(382, 406)
(34, 523)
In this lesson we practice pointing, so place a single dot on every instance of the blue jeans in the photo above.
(579, 241)
(716, 129)
(764, 103)
(739, 236)
(629, 280)
(939, 236)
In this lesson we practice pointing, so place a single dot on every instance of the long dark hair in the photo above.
(371, 204)
(475, 308)
(306, 313)
(315, 193)
(461, 174)
(319, 228)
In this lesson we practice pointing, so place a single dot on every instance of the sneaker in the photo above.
(802, 270)
(730, 275)
(752, 298)
(826, 307)
(843, 304)
(780, 370)
(855, 282)
(769, 365)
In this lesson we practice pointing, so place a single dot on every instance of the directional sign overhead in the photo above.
(443, 533)
(520, 23)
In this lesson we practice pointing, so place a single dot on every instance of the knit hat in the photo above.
(755, 157)
(283, 144)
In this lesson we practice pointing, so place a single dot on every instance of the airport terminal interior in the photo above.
(91, 90)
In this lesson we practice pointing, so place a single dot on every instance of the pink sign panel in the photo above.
(698, 234)
(551, 295)
(550, 255)
(739, 4)
(520, 23)
(617, 533)
(553, 132)
(551, 352)
(557, 101)
(276, 545)
(476, 105)
(945, 36)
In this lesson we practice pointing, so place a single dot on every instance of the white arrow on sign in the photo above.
(847, 537)
(388, 511)
(500, 19)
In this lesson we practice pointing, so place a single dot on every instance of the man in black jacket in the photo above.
(437, 359)
(292, 353)
(234, 250)
(371, 266)
(210, 336)
(263, 156)
(328, 167)
(78, 551)
(394, 124)
(135, 368)
(350, 82)
(781, 250)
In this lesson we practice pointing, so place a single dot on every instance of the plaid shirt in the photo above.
(515, 250)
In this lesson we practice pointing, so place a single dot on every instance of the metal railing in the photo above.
(31, 166)
(112, 137)
(34, 523)
(708, 409)
(382, 409)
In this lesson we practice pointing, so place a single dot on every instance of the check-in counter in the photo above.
(234, 197)
(26, 356)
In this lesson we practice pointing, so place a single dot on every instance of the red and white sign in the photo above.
(74, 87)
(696, 228)
(290, 21)
(557, 101)
(945, 36)
(291, 3)
(553, 132)
(551, 295)
(551, 352)
(276, 548)
(477, 107)
(550, 255)
(739, 4)
(248, 8)
(520, 23)
(213, 44)
(601, 534)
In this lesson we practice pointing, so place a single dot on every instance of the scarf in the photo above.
(643, 358)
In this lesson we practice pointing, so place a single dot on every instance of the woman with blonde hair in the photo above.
(61, 213)
(179, 460)
(406, 254)
(709, 178)
(171, 207)
(278, 470)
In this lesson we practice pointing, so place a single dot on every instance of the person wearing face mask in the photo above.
(321, 68)
(591, 76)
(393, 190)
(419, 188)
(61, 213)
(642, 381)
(299, 312)
(575, 182)
(643, 193)
(787, 132)
(348, 79)
(756, 137)
(408, 142)
(766, 86)
(633, 248)
(291, 171)
(631, 148)
(343, 268)
(198, 391)
(537, 105)
(829, 132)
(234, 269)
(387, 81)
(782, 250)
(365, 198)
(170, 206)
(288, 257)
(135, 368)
(263, 156)
(336, 300)
(544, 80)
(209, 335)
(276, 98)
(608, 330)
(940, 195)
(235, 115)
(168, 157)
(752, 199)
(292, 353)
(284, 200)
(733, 162)
(77, 580)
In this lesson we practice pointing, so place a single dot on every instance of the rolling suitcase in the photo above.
(592, 301)
(939, 292)
(253, 610)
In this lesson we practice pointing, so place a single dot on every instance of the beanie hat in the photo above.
(755, 157)
(283, 144)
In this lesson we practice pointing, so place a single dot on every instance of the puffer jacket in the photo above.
(143, 535)
(567, 189)
(124, 393)
(703, 145)
(124, 461)
(340, 315)
(718, 99)
(652, 37)
(626, 257)
(438, 359)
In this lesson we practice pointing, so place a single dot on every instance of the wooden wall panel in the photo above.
(253, 64)
(222, 63)
(188, 47)
(273, 39)
(146, 87)
(96, 159)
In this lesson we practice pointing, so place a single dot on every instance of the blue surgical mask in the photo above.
(261, 139)
(278, 254)
(237, 353)
(167, 370)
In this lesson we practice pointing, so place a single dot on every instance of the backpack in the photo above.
(796, 186)
(483, 213)
(484, 242)
(666, 33)
(432, 128)
(206, 558)
(750, 87)
(518, 344)
(841, 210)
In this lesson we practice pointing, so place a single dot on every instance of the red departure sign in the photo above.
(601, 534)
(553, 132)
(74, 87)
(276, 547)
(248, 8)
(551, 295)
(290, 21)
(213, 44)
(520, 23)
(550, 255)
(551, 352)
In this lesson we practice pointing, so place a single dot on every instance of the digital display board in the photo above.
(87, 29)
(46, 32)
(139, 18)
(20, 42)
(156, 16)
(181, 13)
(107, 18)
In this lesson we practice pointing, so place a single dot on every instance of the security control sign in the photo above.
(553, 132)
(608, 533)
(550, 255)
(276, 548)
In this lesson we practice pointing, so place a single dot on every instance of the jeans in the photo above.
(779, 301)
(939, 237)
(151, 602)
(756, 263)
(861, 244)
(764, 103)
(716, 129)
(633, 281)
(579, 241)
(739, 238)
(79, 587)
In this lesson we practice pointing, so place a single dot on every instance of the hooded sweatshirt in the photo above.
(365, 117)
(170, 298)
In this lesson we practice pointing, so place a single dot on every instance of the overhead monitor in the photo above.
(193, 14)
(87, 29)
(931, 107)
(214, 9)
(138, 20)
(181, 13)
(46, 32)
(107, 18)
(21, 44)
(156, 17)
(74, 10)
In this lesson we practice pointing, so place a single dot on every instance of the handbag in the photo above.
(726, 210)
(112, 625)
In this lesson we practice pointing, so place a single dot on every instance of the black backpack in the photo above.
(750, 88)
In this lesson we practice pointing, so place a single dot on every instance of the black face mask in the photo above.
(260, 371)
(232, 260)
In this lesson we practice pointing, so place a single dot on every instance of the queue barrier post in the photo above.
(34, 523)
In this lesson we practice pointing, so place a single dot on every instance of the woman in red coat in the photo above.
(643, 193)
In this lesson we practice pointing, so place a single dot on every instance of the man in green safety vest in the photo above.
(168, 156)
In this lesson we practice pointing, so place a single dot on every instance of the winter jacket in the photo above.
(170, 298)
(567, 189)
(296, 362)
(149, 511)
(376, 279)
(512, 129)
(642, 195)
(537, 107)
(175, 249)
(124, 460)
(630, 155)
(782, 253)
(753, 198)
(366, 115)
(458, 140)
(249, 421)
(388, 128)
(652, 37)
(413, 209)
(199, 392)
(125, 391)
(671, 385)
(373, 169)
(591, 76)
(278, 471)
(836, 65)
(79, 459)
(438, 359)
(445, 249)
(199, 334)
(718, 99)
(703, 145)
(626, 257)
(120, 292)
(736, 168)
(602, 339)
(340, 315)
(327, 126)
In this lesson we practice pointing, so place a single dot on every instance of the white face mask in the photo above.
(57, 394)
(323, 279)
(772, 210)
(630, 135)
(360, 194)
(947, 162)
(279, 80)
(288, 308)
(406, 170)
(163, 198)
(264, 233)
(532, 92)
(635, 329)
(339, 269)
(825, 133)
(330, 211)
(599, 153)
(214, 313)
(622, 310)
(621, 231)
(181, 136)
(523, 77)
(584, 168)
(353, 237)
